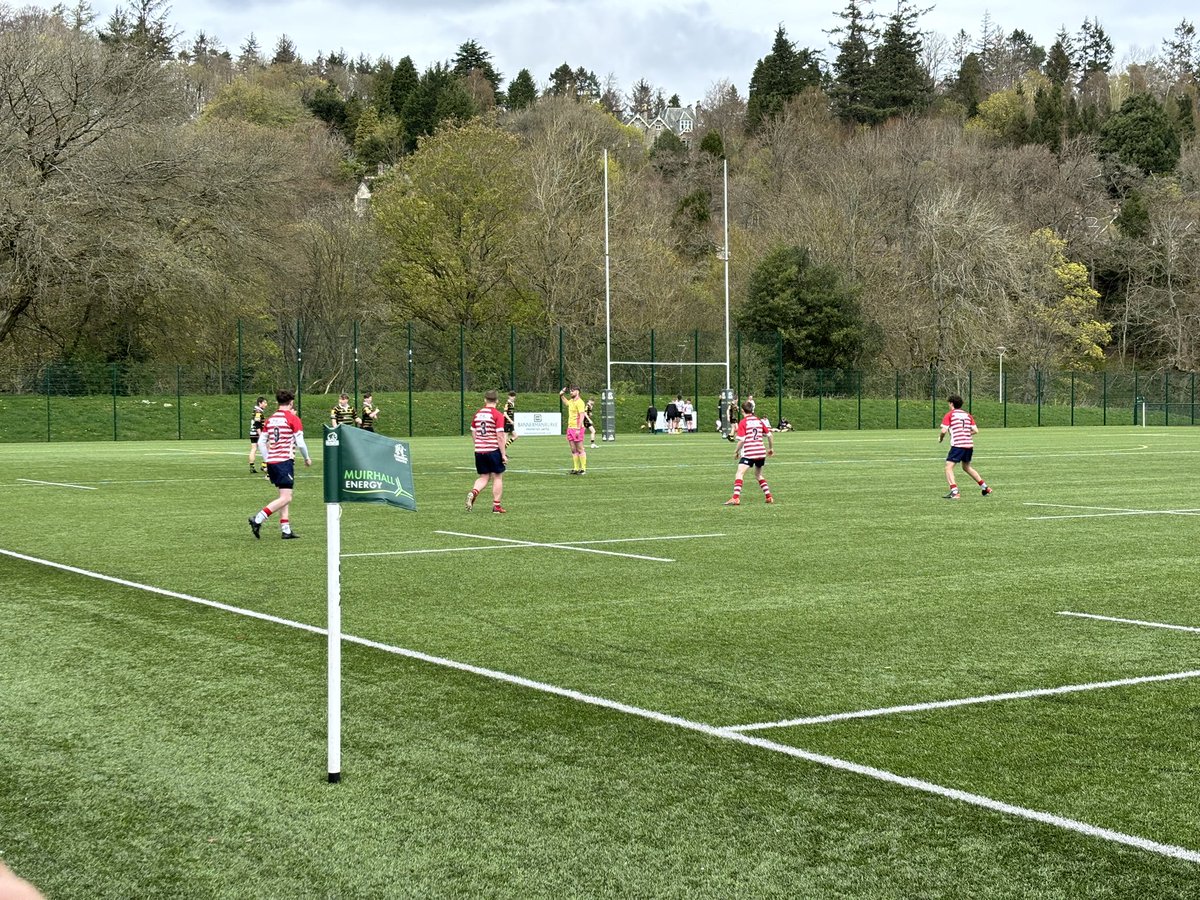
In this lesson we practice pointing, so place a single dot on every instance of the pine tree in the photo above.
(780, 75)
(472, 57)
(1181, 53)
(850, 93)
(1095, 53)
(900, 83)
(522, 92)
(249, 55)
(1060, 66)
(404, 82)
(285, 51)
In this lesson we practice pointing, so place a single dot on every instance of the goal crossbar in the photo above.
(662, 362)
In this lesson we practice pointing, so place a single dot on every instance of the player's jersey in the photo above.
(752, 431)
(257, 418)
(960, 423)
(368, 422)
(510, 408)
(484, 427)
(341, 416)
(576, 410)
(281, 430)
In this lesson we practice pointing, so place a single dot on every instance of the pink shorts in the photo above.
(575, 434)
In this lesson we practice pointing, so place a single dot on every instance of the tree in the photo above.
(900, 82)
(1140, 135)
(850, 93)
(404, 82)
(578, 84)
(641, 99)
(816, 315)
(473, 58)
(285, 52)
(967, 88)
(1060, 65)
(1059, 314)
(522, 92)
(1181, 53)
(1094, 53)
(249, 55)
(780, 75)
(447, 223)
(144, 28)
(439, 96)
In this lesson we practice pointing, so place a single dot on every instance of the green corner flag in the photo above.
(360, 467)
(363, 467)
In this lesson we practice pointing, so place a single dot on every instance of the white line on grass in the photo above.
(1102, 511)
(485, 537)
(965, 701)
(81, 487)
(519, 545)
(1080, 615)
(978, 800)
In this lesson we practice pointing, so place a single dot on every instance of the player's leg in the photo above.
(497, 492)
(479, 485)
(953, 495)
(736, 499)
(971, 470)
(762, 484)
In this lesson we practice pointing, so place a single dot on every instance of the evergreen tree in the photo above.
(900, 82)
(1059, 59)
(439, 96)
(641, 99)
(1141, 135)
(285, 52)
(1048, 118)
(1181, 53)
(850, 93)
(967, 87)
(522, 92)
(472, 57)
(780, 75)
(1095, 51)
(249, 55)
(404, 82)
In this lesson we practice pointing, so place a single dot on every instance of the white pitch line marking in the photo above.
(1102, 511)
(485, 537)
(966, 701)
(1080, 615)
(978, 800)
(80, 487)
(519, 545)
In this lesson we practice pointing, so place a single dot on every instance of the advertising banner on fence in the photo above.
(535, 423)
(363, 467)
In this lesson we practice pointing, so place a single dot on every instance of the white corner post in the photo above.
(333, 578)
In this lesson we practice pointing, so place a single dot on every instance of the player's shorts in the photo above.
(282, 474)
(587, 422)
(575, 434)
(960, 455)
(254, 439)
(490, 463)
(509, 428)
(757, 463)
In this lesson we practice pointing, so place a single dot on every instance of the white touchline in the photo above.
(1095, 831)
(966, 701)
(81, 487)
(485, 537)
(1080, 615)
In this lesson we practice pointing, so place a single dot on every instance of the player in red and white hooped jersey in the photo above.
(487, 431)
(281, 435)
(960, 425)
(754, 445)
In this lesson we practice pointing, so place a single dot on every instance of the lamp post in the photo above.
(1001, 351)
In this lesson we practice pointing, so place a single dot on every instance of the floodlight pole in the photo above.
(608, 408)
(725, 257)
(1001, 351)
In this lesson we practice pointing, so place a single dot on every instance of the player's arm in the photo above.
(303, 448)
(770, 443)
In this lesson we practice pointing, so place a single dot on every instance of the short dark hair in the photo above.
(343, 396)
(367, 394)
(512, 393)
(490, 396)
(283, 395)
(748, 406)
(955, 401)
(260, 400)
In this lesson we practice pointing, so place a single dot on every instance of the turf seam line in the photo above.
(978, 800)
(1081, 615)
(966, 701)
(485, 537)
(81, 487)
(518, 546)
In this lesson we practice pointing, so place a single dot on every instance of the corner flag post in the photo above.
(359, 467)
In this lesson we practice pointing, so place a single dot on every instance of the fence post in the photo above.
(114, 386)
(897, 399)
(1104, 398)
(462, 379)
(178, 407)
(1136, 394)
(1193, 398)
(356, 364)
(1037, 386)
(299, 373)
(46, 377)
(860, 381)
(779, 374)
(933, 409)
(739, 365)
(970, 391)
(410, 374)
(1166, 397)
(696, 376)
(820, 400)
(1072, 398)
(653, 390)
(1004, 400)
(512, 357)
(561, 384)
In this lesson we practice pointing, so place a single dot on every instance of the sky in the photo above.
(681, 46)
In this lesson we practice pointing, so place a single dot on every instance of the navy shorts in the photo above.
(282, 474)
(489, 463)
(254, 439)
(757, 463)
(960, 455)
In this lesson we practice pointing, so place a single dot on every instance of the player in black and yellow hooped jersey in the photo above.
(343, 413)
(370, 412)
(257, 418)
(510, 416)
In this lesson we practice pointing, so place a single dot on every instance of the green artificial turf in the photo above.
(154, 747)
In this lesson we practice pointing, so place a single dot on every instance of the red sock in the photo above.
(762, 483)
(737, 488)
(266, 512)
